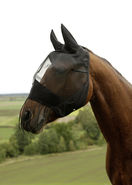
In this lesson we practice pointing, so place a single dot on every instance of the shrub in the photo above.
(9, 150)
(48, 142)
(62, 145)
(2, 154)
(20, 139)
(13, 143)
(101, 140)
(89, 123)
(72, 146)
(31, 149)
(64, 130)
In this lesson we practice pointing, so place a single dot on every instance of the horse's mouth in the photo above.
(32, 123)
(34, 117)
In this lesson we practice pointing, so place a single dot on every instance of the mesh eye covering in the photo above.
(61, 106)
(42, 69)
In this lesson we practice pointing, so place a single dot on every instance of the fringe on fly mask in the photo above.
(62, 106)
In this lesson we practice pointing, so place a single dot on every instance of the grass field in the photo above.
(5, 134)
(9, 110)
(73, 168)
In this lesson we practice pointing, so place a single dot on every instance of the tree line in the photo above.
(57, 137)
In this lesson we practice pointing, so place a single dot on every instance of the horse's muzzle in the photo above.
(26, 116)
(33, 116)
(25, 121)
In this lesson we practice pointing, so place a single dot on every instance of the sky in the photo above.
(103, 26)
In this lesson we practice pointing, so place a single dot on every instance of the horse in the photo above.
(69, 78)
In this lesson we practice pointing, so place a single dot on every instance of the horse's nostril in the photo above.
(27, 115)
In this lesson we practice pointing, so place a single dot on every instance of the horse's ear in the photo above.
(70, 42)
(57, 45)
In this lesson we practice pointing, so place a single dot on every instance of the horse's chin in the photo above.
(37, 130)
(37, 127)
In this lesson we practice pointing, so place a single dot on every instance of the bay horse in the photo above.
(70, 77)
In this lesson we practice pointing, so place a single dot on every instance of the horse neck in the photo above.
(111, 100)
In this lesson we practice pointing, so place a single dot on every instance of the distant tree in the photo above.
(89, 123)
(48, 142)
(61, 145)
(72, 146)
(20, 139)
(64, 130)
(31, 149)
(2, 153)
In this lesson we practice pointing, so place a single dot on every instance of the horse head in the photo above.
(61, 85)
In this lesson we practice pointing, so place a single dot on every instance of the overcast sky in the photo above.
(103, 26)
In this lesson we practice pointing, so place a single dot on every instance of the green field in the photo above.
(5, 134)
(9, 111)
(73, 168)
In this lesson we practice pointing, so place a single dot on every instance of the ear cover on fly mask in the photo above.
(57, 45)
(70, 43)
(74, 54)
